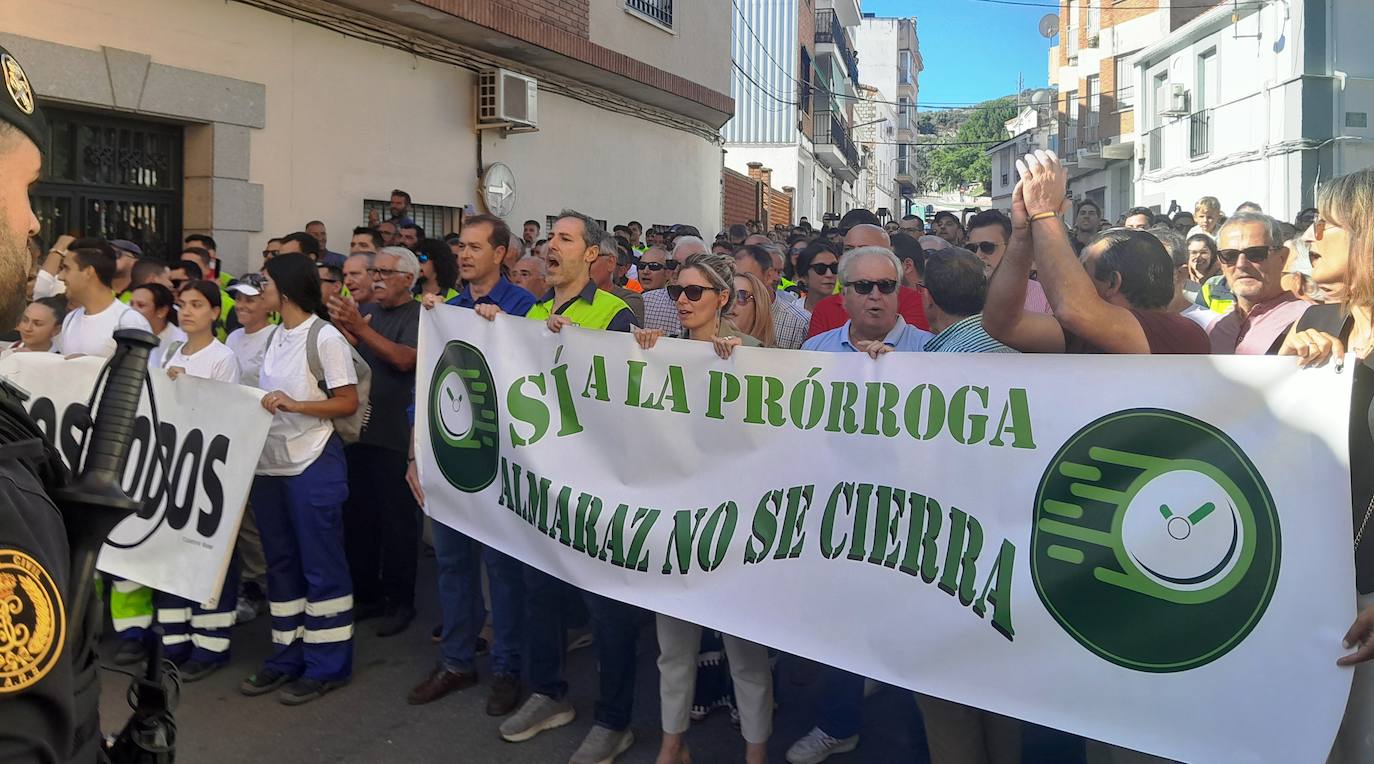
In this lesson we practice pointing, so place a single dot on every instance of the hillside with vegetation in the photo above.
(957, 139)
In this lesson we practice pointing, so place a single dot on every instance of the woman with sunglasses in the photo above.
(1341, 246)
(704, 297)
(753, 310)
(818, 269)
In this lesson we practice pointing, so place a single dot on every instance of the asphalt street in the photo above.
(370, 721)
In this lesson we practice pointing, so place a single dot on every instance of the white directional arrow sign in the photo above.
(498, 189)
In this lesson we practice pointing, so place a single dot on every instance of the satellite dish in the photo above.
(1049, 26)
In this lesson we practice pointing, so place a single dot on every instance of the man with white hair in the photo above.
(871, 276)
(381, 518)
(829, 313)
(531, 273)
(660, 312)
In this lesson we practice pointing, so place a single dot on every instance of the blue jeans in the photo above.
(616, 627)
(463, 608)
(842, 697)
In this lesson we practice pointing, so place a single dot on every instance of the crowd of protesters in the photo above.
(333, 532)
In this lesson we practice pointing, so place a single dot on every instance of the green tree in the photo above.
(982, 126)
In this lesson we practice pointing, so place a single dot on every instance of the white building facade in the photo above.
(1034, 128)
(1258, 106)
(890, 61)
(248, 119)
(875, 130)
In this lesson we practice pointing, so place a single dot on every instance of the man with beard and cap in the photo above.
(49, 700)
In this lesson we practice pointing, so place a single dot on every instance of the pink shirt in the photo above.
(1254, 333)
(1036, 301)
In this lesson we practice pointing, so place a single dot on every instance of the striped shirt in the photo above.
(966, 336)
(661, 313)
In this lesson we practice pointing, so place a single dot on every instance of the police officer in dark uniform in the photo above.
(49, 687)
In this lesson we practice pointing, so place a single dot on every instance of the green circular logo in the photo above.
(1156, 542)
(464, 419)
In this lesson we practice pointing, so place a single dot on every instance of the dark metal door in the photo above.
(113, 177)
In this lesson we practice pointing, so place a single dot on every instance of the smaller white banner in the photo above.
(193, 474)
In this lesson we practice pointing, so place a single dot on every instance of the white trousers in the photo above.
(679, 642)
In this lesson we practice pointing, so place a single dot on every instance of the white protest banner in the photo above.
(1152, 551)
(211, 434)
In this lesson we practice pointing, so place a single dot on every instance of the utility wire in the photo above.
(1136, 7)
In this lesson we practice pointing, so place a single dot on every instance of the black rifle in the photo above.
(92, 505)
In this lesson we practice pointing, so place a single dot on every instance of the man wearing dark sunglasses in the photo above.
(1252, 255)
(988, 234)
(660, 312)
(653, 268)
(871, 277)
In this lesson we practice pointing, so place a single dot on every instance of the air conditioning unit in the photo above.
(1093, 40)
(507, 100)
(1178, 102)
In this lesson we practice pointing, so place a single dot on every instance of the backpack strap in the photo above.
(171, 351)
(312, 355)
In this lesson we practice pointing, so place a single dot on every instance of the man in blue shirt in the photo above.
(483, 242)
(871, 277)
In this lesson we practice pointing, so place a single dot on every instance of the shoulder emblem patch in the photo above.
(32, 622)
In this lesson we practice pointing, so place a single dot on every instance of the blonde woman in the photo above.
(705, 295)
(1340, 244)
(1207, 215)
(753, 309)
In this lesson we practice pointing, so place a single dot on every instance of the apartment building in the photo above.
(890, 62)
(795, 84)
(247, 118)
(1092, 67)
(1260, 103)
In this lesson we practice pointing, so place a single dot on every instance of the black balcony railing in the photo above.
(829, 128)
(829, 29)
(1154, 151)
(658, 10)
(1200, 134)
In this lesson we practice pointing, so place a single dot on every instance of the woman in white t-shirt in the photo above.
(299, 491)
(156, 303)
(249, 342)
(196, 637)
(38, 327)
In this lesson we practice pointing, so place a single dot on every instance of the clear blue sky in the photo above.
(972, 50)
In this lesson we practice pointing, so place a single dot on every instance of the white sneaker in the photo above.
(817, 746)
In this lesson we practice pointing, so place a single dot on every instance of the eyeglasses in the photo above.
(270, 253)
(744, 297)
(886, 286)
(693, 292)
(654, 266)
(1319, 226)
(385, 273)
(986, 247)
(820, 269)
(1256, 254)
(328, 281)
(672, 265)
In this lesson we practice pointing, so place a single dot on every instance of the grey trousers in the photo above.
(678, 645)
(960, 734)
(253, 561)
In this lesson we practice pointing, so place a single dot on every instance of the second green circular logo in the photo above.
(1156, 543)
